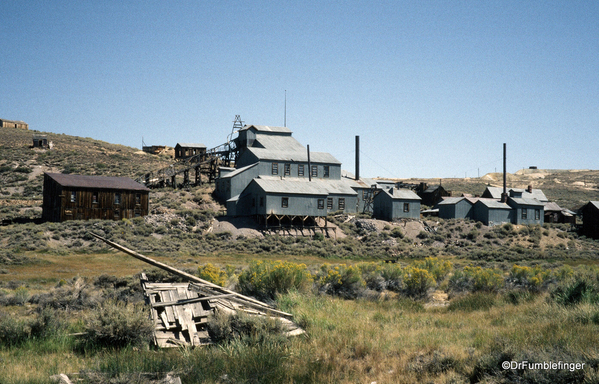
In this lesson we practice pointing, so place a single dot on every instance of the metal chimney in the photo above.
(309, 164)
(357, 158)
(504, 194)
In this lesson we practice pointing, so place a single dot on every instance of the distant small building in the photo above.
(530, 192)
(40, 141)
(396, 203)
(78, 197)
(556, 214)
(154, 149)
(491, 212)
(13, 124)
(456, 208)
(526, 210)
(590, 219)
(431, 195)
(187, 150)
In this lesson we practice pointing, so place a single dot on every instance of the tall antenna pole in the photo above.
(285, 121)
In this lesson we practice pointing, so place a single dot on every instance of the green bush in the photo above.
(224, 327)
(417, 281)
(341, 280)
(117, 325)
(476, 279)
(578, 290)
(266, 279)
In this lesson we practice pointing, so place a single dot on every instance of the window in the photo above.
(137, 213)
(138, 198)
(275, 168)
(300, 170)
(524, 213)
(320, 203)
(116, 214)
(315, 171)
(285, 202)
(253, 201)
(287, 169)
(117, 199)
(94, 197)
(406, 207)
(73, 196)
(325, 171)
(341, 204)
(537, 214)
(262, 201)
(329, 203)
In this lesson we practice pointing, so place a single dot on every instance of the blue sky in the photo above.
(433, 88)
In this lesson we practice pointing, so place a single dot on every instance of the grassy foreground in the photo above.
(391, 339)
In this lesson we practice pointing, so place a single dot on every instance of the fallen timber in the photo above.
(180, 311)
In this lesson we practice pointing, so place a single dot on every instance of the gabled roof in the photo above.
(103, 182)
(493, 204)
(526, 201)
(453, 200)
(275, 142)
(538, 194)
(296, 156)
(301, 186)
(401, 194)
(552, 207)
(266, 129)
(238, 171)
(191, 145)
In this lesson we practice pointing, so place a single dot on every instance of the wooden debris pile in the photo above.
(181, 311)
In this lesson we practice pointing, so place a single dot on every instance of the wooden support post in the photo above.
(174, 181)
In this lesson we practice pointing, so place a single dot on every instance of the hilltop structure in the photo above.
(13, 124)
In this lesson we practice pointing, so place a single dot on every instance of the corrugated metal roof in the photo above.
(300, 186)
(281, 143)
(266, 128)
(526, 201)
(492, 203)
(191, 145)
(553, 207)
(402, 193)
(282, 155)
(536, 193)
(238, 171)
(82, 181)
(452, 200)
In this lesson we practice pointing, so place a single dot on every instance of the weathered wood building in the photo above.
(396, 203)
(13, 124)
(431, 195)
(187, 150)
(78, 197)
(590, 219)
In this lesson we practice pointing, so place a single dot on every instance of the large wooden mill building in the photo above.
(77, 197)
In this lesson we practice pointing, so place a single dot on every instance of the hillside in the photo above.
(569, 188)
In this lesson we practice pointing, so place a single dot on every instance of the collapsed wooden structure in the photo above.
(181, 311)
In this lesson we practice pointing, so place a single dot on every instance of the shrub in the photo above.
(392, 275)
(266, 279)
(438, 268)
(417, 281)
(579, 290)
(212, 274)
(118, 325)
(476, 279)
(342, 280)
(224, 327)
(531, 278)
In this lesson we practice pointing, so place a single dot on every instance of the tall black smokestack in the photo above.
(357, 157)
(504, 194)
(309, 164)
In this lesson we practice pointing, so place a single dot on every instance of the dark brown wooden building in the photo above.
(78, 197)
(590, 219)
(431, 195)
(186, 150)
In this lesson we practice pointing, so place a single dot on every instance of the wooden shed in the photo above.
(590, 219)
(396, 203)
(13, 124)
(187, 150)
(79, 197)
